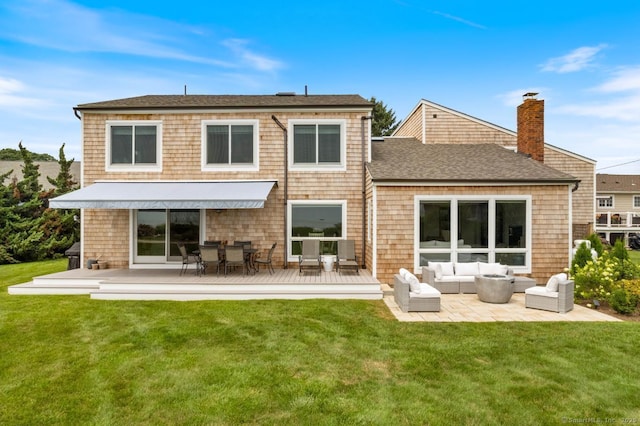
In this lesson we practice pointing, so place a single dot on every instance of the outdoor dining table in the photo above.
(249, 256)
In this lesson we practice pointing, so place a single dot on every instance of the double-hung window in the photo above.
(605, 201)
(134, 145)
(230, 145)
(317, 144)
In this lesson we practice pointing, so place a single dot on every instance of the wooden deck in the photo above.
(167, 284)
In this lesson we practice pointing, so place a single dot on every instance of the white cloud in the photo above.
(625, 82)
(69, 27)
(253, 60)
(12, 94)
(576, 60)
(459, 19)
(624, 79)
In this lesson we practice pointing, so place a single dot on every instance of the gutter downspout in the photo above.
(286, 186)
(364, 193)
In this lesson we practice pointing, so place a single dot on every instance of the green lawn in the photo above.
(71, 360)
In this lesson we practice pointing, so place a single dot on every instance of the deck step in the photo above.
(130, 291)
(36, 288)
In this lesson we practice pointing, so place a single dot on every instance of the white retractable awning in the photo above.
(167, 195)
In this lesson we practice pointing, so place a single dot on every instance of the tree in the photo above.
(64, 182)
(29, 186)
(10, 154)
(28, 229)
(384, 121)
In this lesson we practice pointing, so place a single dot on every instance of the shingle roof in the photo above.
(617, 183)
(229, 101)
(406, 159)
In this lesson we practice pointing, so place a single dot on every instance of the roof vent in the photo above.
(286, 94)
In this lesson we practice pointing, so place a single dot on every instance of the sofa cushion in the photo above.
(403, 273)
(552, 284)
(446, 268)
(492, 268)
(540, 291)
(465, 278)
(448, 279)
(466, 268)
(426, 291)
(414, 283)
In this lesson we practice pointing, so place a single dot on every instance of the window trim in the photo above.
(633, 202)
(292, 203)
(133, 167)
(341, 166)
(491, 251)
(230, 167)
(605, 197)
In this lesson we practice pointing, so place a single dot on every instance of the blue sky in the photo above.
(478, 58)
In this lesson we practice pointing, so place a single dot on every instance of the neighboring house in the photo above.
(46, 169)
(617, 206)
(432, 123)
(158, 170)
(285, 168)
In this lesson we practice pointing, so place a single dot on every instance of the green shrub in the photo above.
(623, 301)
(596, 279)
(620, 251)
(582, 256)
(596, 244)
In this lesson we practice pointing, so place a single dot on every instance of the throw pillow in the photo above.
(414, 283)
(446, 268)
(403, 273)
(488, 268)
(467, 268)
(552, 284)
(438, 271)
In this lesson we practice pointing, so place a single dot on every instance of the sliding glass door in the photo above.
(159, 231)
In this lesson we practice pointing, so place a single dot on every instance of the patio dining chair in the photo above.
(209, 257)
(346, 256)
(242, 243)
(234, 256)
(267, 262)
(188, 259)
(310, 257)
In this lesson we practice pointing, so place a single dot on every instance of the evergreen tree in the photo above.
(28, 229)
(64, 182)
(582, 256)
(29, 186)
(384, 121)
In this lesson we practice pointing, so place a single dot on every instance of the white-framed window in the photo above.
(474, 228)
(317, 144)
(133, 145)
(636, 201)
(230, 145)
(323, 220)
(605, 201)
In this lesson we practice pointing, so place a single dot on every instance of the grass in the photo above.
(634, 256)
(73, 360)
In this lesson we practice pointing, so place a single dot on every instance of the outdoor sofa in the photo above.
(413, 296)
(459, 277)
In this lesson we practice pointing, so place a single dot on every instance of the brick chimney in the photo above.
(531, 127)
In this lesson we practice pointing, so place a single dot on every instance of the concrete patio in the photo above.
(468, 308)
